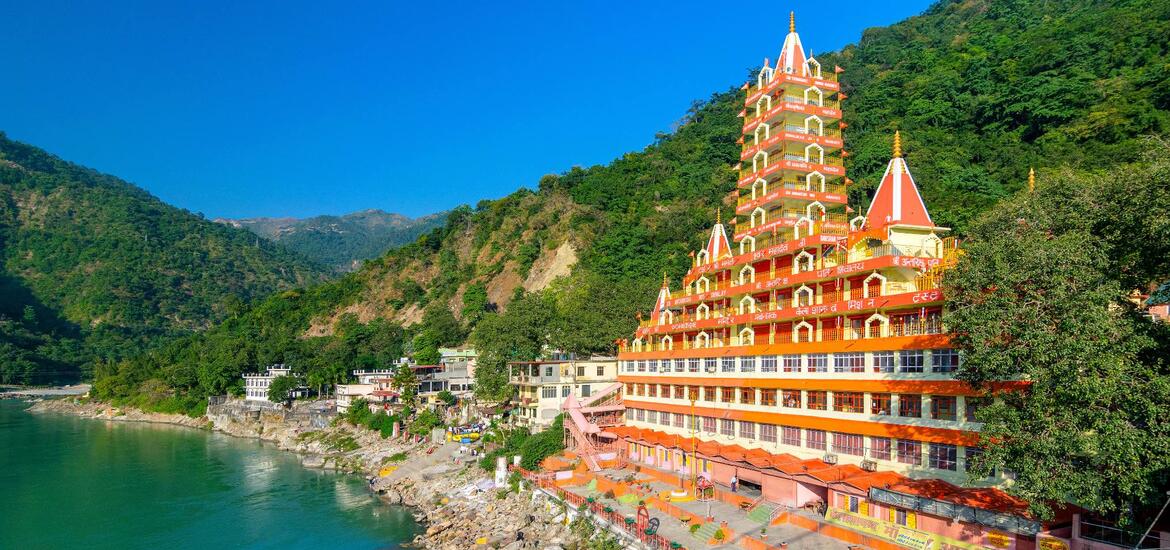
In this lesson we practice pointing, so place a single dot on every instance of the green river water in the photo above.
(67, 482)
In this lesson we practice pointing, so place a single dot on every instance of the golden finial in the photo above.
(791, 21)
(897, 144)
(1031, 179)
(664, 281)
(718, 216)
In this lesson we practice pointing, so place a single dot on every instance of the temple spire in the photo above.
(897, 144)
(718, 216)
(1031, 180)
(897, 199)
(791, 21)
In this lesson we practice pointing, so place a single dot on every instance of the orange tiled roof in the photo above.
(984, 498)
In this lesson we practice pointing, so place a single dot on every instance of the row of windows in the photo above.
(908, 361)
(550, 392)
(548, 371)
(940, 456)
(906, 405)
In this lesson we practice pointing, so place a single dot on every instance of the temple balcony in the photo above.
(831, 224)
(788, 112)
(826, 82)
(791, 162)
(829, 139)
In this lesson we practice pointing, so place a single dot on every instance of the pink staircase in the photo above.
(587, 419)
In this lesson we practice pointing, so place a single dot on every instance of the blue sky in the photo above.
(295, 108)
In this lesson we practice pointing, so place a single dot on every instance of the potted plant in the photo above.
(717, 538)
(589, 500)
(608, 509)
(674, 545)
(764, 533)
(694, 527)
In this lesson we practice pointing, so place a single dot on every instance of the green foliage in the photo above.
(425, 421)
(447, 398)
(92, 267)
(281, 388)
(397, 457)
(1042, 295)
(542, 445)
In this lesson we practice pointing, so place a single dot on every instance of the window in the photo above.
(548, 392)
(943, 456)
(709, 364)
(853, 503)
(747, 396)
(768, 363)
(791, 363)
(910, 405)
(709, 393)
(548, 372)
(849, 362)
(904, 518)
(768, 398)
(747, 430)
(679, 419)
(911, 360)
(692, 365)
(879, 448)
(652, 417)
(818, 362)
(910, 452)
(747, 364)
(848, 401)
(640, 414)
(728, 395)
(727, 427)
(817, 400)
(586, 391)
(879, 404)
(791, 436)
(652, 367)
(768, 433)
(652, 391)
(943, 407)
(664, 418)
(727, 364)
(883, 361)
(849, 444)
(791, 398)
(581, 372)
(815, 439)
(944, 360)
(973, 406)
(601, 369)
(708, 424)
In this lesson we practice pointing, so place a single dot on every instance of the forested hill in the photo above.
(342, 242)
(981, 90)
(92, 266)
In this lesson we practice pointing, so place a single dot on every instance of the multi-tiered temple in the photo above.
(804, 354)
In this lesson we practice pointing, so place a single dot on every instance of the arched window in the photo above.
(703, 284)
(703, 312)
(874, 286)
(747, 244)
(701, 258)
(815, 211)
(747, 337)
(764, 129)
(814, 125)
(805, 222)
(703, 340)
(802, 332)
(747, 305)
(637, 344)
(932, 246)
(803, 297)
(759, 217)
(814, 96)
(759, 188)
(747, 275)
(763, 105)
(804, 262)
(667, 343)
(761, 160)
(814, 181)
(666, 317)
(814, 67)
(813, 149)
(877, 326)
(764, 77)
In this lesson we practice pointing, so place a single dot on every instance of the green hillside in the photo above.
(92, 266)
(342, 242)
(981, 90)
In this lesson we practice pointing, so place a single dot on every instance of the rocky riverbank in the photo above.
(454, 500)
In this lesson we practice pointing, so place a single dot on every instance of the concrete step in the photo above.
(762, 513)
(706, 531)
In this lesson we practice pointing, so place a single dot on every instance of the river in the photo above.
(68, 482)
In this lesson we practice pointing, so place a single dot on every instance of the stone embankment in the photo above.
(455, 501)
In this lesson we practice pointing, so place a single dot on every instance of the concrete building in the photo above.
(256, 385)
(542, 386)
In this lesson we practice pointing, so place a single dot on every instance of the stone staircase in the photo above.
(705, 532)
(762, 513)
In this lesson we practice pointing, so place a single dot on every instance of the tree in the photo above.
(281, 388)
(407, 383)
(1041, 295)
(448, 398)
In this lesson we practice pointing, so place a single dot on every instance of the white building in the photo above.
(256, 385)
(543, 386)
